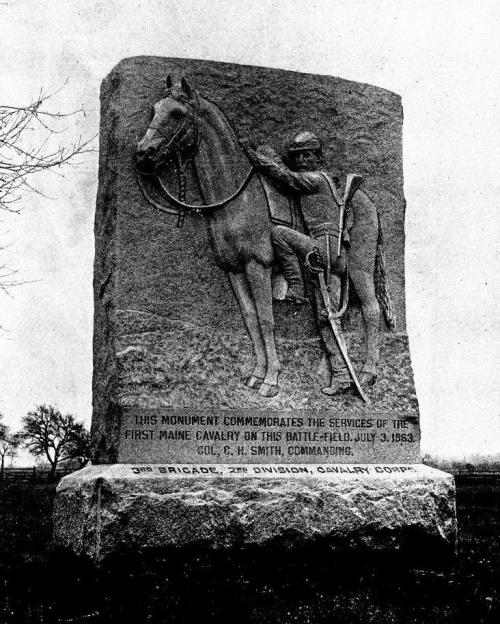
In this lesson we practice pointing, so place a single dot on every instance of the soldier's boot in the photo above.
(340, 380)
(289, 263)
(295, 294)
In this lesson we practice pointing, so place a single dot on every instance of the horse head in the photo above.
(172, 134)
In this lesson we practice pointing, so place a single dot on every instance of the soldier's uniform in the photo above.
(319, 205)
(320, 208)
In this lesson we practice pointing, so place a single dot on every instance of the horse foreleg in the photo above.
(365, 287)
(259, 279)
(249, 313)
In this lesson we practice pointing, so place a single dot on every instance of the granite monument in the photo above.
(252, 377)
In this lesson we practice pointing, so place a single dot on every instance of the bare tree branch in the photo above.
(28, 147)
(9, 443)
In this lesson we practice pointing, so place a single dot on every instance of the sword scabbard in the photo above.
(341, 228)
(339, 339)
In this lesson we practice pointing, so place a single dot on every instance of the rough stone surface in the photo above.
(171, 364)
(157, 288)
(104, 510)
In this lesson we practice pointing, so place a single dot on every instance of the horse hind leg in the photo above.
(259, 279)
(249, 313)
(365, 287)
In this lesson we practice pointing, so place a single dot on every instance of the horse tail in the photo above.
(381, 286)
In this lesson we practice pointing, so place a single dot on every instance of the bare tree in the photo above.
(9, 443)
(46, 432)
(29, 146)
(81, 449)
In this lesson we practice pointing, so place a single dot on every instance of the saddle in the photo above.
(282, 209)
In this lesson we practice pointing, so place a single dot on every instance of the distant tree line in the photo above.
(48, 434)
(472, 464)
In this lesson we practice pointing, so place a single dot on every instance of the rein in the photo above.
(201, 207)
(180, 205)
(153, 202)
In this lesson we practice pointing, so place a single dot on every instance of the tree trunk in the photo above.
(52, 473)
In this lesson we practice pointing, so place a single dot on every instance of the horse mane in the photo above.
(216, 113)
(219, 150)
(203, 104)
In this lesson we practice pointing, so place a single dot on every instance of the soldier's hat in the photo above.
(304, 141)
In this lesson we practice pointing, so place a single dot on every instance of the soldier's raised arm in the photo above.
(275, 168)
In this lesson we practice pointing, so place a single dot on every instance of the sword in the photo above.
(338, 337)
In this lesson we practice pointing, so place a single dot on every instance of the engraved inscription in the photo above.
(244, 436)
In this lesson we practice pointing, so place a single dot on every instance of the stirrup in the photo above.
(313, 261)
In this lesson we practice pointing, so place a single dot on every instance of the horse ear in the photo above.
(169, 82)
(186, 87)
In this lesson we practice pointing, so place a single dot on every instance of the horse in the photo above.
(188, 127)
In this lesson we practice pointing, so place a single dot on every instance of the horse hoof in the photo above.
(253, 382)
(268, 390)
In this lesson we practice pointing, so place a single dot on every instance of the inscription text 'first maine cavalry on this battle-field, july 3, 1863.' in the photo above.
(249, 281)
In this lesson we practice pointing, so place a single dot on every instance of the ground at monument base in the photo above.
(105, 510)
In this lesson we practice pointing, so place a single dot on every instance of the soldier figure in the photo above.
(320, 210)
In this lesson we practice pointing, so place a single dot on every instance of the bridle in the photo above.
(186, 135)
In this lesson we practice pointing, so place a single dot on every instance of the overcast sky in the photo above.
(440, 56)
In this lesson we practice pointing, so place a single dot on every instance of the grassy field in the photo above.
(41, 586)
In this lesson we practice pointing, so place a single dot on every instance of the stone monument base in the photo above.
(106, 509)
